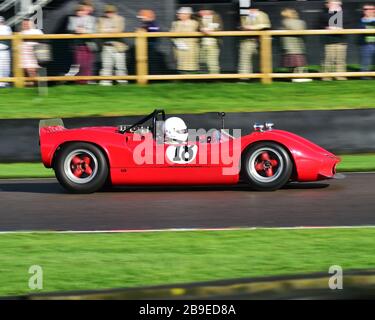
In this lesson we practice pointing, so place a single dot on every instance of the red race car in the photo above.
(160, 151)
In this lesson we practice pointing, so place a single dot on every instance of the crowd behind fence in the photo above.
(98, 49)
(141, 40)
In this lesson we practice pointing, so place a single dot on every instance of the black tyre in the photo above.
(266, 166)
(81, 168)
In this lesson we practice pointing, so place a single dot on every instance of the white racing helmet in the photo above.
(175, 130)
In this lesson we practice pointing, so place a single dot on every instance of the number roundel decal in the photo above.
(181, 154)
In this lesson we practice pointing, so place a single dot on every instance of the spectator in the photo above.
(294, 47)
(368, 41)
(335, 46)
(210, 21)
(29, 61)
(83, 23)
(148, 23)
(4, 52)
(113, 50)
(88, 4)
(255, 20)
(186, 49)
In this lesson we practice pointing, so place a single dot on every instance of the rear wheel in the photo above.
(267, 166)
(81, 168)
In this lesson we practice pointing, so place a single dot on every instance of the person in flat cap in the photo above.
(113, 50)
(4, 52)
(210, 21)
(186, 49)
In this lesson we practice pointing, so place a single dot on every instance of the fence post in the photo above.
(16, 53)
(266, 57)
(141, 53)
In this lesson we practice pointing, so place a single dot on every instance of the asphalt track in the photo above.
(44, 205)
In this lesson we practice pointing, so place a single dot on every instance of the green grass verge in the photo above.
(24, 170)
(94, 100)
(359, 162)
(84, 261)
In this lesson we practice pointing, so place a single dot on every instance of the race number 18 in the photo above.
(181, 154)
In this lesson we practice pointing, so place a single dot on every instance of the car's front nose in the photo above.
(328, 166)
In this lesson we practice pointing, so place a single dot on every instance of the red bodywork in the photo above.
(311, 162)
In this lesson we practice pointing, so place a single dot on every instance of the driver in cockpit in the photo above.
(175, 130)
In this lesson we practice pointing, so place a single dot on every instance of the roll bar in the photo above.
(153, 115)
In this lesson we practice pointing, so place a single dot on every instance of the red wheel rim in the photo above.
(81, 166)
(266, 164)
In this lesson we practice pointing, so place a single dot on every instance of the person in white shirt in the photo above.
(29, 61)
(4, 52)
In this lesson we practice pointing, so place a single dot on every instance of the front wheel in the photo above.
(81, 168)
(267, 166)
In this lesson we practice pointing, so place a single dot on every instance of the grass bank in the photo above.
(87, 261)
(94, 100)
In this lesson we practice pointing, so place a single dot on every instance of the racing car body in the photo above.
(86, 159)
